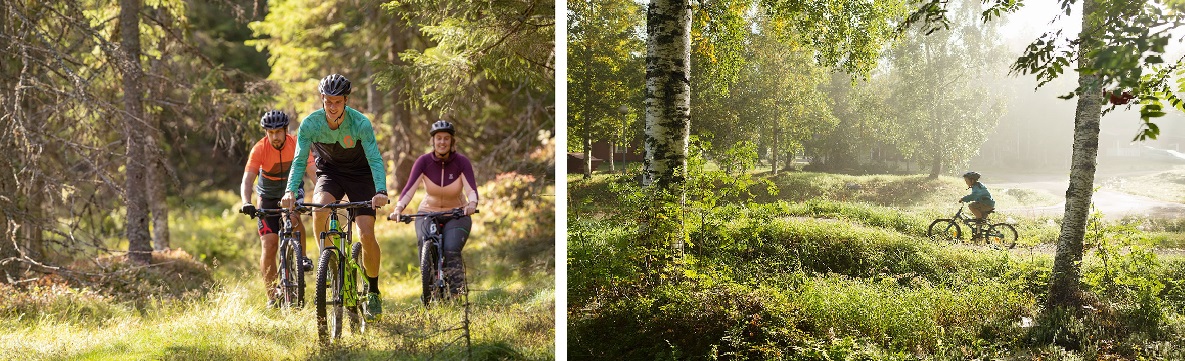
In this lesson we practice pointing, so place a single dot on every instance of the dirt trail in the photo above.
(1113, 204)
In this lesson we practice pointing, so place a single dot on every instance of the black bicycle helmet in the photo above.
(442, 126)
(973, 175)
(335, 85)
(274, 119)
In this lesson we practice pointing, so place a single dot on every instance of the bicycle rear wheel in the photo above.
(428, 272)
(328, 299)
(944, 230)
(1002, 235)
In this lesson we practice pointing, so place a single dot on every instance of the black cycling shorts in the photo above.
(269, 223)
(357, 189)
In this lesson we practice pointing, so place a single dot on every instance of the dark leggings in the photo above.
(456, 233)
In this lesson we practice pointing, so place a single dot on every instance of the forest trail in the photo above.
(1112, 203)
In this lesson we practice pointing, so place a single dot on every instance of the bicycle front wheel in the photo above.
(291, 276)
(328, 299)
(1002, 235)
(428, 272)
(944, 230)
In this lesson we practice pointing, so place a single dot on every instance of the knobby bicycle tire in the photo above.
(291, 276)
(944, 230)
(1002, 235)
(428, 272)
(329, 326)
(357, 321)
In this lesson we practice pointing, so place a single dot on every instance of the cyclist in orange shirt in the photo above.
(272, 157)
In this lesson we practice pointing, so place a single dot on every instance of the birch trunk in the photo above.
(1064, 282)
(668, 91)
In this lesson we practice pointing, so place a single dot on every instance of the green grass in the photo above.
(1167, 186)
(828, 270)
(510, 267)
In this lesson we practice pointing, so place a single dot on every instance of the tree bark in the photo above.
(157, 182)
(668, 92)
(587, 149)
(774, 153)
(402, 142)
(7, 146)
(157, 174)
(936, 166)
(139, 242)
(612, 157)
(1064, 282)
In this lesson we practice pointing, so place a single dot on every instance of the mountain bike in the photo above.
(436, 287)
(339, 274)
(291, 276)
(998, 235)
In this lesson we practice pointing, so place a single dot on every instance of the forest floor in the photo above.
(220, 313)
(838, 267)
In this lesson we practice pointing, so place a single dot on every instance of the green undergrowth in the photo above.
(205, 301)
(828, 278)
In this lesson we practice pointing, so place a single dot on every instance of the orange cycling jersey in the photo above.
(272, 165)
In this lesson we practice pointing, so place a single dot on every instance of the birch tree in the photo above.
(668, 92)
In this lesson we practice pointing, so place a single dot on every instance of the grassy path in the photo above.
(510, 261)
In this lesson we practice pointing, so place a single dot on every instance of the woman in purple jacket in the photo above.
(447, 178)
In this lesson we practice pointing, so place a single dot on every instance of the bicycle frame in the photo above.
(434, 238)
(975, 225)
(336, 241)
(288, 238)
(339, 238)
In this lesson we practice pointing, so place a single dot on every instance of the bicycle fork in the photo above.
(438, 243)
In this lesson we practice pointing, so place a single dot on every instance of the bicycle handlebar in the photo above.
(455, 212)
(336, 205)
(261, 212)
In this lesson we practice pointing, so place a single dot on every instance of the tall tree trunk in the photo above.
(1064, 290)
(404, 139)
(936, 166)
(32, 243)
(8, 90)
(157, 174)
(22, 235)
(668, 92)
(612, 157)
(139, 242)
(587, 148)
(373, 98)
(157, 182)
(587, 144)
(774, 153)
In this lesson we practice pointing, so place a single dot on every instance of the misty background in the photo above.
(938, 104)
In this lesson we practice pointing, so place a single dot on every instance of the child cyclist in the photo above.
(981, 200)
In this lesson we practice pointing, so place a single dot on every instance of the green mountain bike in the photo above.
(339, 274)
(998, 235)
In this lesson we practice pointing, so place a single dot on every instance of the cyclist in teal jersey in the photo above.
(981, 200)
(348, 165)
